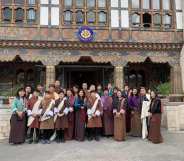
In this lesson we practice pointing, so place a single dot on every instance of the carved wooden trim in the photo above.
(76, 45)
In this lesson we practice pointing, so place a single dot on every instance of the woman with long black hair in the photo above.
(80, 116)
(17, 121)
(155, 119)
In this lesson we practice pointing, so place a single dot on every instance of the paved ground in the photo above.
(106, 150)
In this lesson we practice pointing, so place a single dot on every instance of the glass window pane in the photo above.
(79, 3)
(124, 3)
(54, 1)
(79, 17)
(68, 17)
(44, 16)
(135, 4)
(179, 20)
(135, 19)
(102, 3)
(157, 20)
(91, 17)
(31, 15)
(146, 4)
(19, 15)
(178, 4)
(68, 3)
(91, 3)
(44, 1)
(7, 14)
(114, 18)
(124, 19)
(19, 1)
(166, 4)
(114, 3)
(102, 17)
(6, 1)
(156, 4)
(31, 2)
(167, 21)
(55, 16)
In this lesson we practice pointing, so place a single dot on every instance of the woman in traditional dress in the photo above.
(94, 111)
(17, 121)
(61, 110)
(119, 117)
(80, 116)
(134, 104)
(108, 118)
(155, 119)
(69, 132)
(47, 117)
(35, 124)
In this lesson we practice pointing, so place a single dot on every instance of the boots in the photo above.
(97, 134)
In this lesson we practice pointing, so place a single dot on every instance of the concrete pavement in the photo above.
(133, 149)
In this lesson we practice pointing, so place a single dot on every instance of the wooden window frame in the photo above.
(152, 12)
(25, 6)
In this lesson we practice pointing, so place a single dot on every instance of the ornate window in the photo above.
(31, 15)
(91, 17)
(79, 3)
(167, 21)
(85, 12)
(119, 14)
(19, 15)
(49, 12)
(68, 17)
(19, 1)
(102, 18)
(179, 14)
(19, 11)
(79, 17)
(146, 4)
(135, 3)
(157, 20)
(152, 14)
(136, 20)
(7, 14)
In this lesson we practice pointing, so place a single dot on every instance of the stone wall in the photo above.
(5, 114)
(173, 116)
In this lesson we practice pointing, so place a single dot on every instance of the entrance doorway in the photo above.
(76, 74)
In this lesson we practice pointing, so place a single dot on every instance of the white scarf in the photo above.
(45, 117)
(35, 110)
(60, 107)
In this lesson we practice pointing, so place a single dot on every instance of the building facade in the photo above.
(134, 42)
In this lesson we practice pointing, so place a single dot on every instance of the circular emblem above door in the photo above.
(85, 34)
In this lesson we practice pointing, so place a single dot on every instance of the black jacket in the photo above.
(155, 106)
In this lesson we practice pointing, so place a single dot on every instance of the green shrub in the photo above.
(164, 88)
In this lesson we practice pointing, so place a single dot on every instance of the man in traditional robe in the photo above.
(61, 123)
(35, 124)
(47, 117)
(53, 92)
(57, 86)
(40, 88)
(108, 118)
(69, 132)
(94, 111)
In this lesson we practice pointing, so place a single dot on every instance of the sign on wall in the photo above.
(85, 34)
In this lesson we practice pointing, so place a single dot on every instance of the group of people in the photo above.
(59, 114)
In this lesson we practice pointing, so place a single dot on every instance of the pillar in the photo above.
(119, 76)
(182, 66)
(50, 74)
(176, 79)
